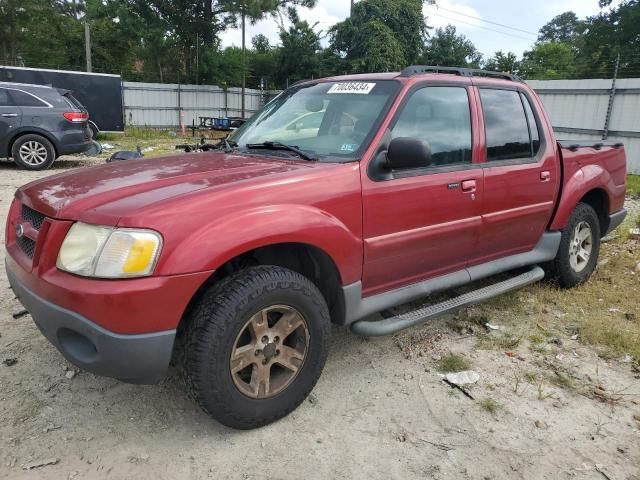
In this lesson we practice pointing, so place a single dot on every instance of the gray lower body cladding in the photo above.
(141, 359)
(358, 308)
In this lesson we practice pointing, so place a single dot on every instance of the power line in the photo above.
(483, 20)
(482, 27)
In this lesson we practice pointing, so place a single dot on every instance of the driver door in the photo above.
(425, 222)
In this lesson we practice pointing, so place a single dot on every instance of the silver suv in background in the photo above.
(39, 123)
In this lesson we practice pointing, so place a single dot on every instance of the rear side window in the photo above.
(24, 99)
(441, 116)
(5, 101)
(73, 101)
(506, 125)
(533, 126)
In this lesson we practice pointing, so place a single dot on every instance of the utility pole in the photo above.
(351, 13)
(197, 58)
(87, 43)
(612, 99)
(244, 61)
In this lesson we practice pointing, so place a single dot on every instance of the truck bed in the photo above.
(601, 164)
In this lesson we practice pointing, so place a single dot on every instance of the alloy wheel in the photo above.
(581, 247)
(33, 153)
(269, 351)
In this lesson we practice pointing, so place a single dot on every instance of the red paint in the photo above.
(212, 207)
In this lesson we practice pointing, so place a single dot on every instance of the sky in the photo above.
(526, 17)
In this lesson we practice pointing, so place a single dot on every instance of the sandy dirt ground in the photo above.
(381, 410)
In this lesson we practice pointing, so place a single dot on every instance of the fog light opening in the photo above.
(77, 346)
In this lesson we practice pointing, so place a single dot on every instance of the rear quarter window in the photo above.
(24, 99)
(533, 126)
(5, 101)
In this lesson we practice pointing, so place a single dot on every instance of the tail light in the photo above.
(76, 117)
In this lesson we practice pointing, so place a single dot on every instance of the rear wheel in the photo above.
(256, 345)
(94, 130)
(579, 248)
(33, 152)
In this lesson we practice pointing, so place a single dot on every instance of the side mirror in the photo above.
(408, 153)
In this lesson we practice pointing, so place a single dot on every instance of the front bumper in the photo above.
(140, 358)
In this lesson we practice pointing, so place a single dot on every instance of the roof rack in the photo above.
(463, 72)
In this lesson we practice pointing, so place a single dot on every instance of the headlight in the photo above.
(104, 252)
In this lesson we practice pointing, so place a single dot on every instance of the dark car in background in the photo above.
(38, 124)
(100, 93)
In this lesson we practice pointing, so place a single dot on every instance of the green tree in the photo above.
(261, 43)
(298, 56)
(263, 62)
(549, 61)
(380, 35)
(447, 48)
(565, 27)
(40, 33)
(503, 62)
(609, 34)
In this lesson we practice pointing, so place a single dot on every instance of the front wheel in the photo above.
(256, 345)
(579, 248)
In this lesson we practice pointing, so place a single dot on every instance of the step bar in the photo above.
(392, 325)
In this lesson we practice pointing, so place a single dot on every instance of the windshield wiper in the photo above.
(281, 146)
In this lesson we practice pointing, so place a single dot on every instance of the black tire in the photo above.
(561, 269)
(213, 328)
(45, 149)
(94, 130)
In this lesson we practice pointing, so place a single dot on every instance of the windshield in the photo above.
(333, 120)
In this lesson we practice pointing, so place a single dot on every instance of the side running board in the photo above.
(395, 324)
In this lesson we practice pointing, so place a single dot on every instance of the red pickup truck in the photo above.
(341, 198)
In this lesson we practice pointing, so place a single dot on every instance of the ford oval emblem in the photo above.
(19, 231)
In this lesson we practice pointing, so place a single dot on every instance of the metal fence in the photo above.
(579, 109)
(595, 110)
(162, 105)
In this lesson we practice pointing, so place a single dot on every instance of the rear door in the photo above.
(521, 176)
(425, 222)
(10, 119)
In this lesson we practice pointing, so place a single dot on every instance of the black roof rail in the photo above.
(461, 71)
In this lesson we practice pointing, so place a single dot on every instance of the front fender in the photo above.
(584, 180)
(216, 243)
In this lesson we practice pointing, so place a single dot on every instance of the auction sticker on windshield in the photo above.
(352, 87)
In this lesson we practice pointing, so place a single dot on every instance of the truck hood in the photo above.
(72, 194)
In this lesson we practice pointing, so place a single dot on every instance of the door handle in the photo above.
(469, 186)
(545, 176)
(9, 115)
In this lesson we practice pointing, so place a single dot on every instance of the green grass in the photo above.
(135, 133)
(155, 142)
(562, 380)
(453, 363)
(505, 341)
(633, 185)
(488, 404)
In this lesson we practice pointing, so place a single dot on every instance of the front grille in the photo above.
(27, 245)
(30, 215)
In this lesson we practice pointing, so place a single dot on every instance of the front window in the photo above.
(332, 121)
